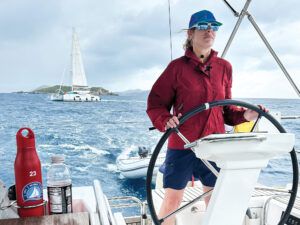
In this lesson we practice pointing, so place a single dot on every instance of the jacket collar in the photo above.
(199, 66)
(191, 56)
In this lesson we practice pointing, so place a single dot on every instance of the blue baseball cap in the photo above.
(203, 16)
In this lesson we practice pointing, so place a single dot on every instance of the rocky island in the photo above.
(52, 89)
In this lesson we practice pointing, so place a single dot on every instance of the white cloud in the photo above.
(125, 44)
(262, 84)
(141, 79)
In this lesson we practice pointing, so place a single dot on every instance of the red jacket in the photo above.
(186, 84)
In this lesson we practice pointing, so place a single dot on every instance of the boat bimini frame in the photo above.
(256, 27)
(241, 16)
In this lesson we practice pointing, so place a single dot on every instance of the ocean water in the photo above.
(93, 134)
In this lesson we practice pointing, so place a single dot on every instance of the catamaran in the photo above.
(79, 92)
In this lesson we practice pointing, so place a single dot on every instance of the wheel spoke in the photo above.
(186, 141)
(256, 122)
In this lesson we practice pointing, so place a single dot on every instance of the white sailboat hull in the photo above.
(56, 97)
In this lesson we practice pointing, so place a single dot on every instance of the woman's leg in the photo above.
(206, 189)
(207, 178)
(178, 170)
(170, 203)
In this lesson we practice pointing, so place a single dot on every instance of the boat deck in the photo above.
(191, 193)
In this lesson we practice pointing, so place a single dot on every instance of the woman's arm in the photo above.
(161, 99)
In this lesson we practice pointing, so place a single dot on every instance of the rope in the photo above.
(170, 29)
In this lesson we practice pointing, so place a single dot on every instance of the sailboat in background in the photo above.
(79, 92)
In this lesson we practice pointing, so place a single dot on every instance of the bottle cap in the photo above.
(60, 158)
(27, 141)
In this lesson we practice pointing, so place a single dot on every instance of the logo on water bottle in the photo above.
(32, 192)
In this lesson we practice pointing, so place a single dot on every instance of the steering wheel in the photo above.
(293, 191)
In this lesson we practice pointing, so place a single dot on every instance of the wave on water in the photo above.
(86, 147)
(132, 150)
(71, 147)
(111, 168)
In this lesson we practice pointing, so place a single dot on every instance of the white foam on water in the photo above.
(75, 148)
(86, 147)
(67, 146)
(111, 167)
(125, 154)
(45, 146)
(122, 177)
(109, 140)
(99, 151)
(81, 169)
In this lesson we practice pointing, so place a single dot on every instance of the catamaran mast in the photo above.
(62, 80)
(237, 25)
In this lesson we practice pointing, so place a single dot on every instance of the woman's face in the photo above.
(202, 39)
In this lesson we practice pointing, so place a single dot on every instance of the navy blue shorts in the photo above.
(181, 165)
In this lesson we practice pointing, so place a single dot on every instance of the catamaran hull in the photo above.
(75, 98)
(80, 98)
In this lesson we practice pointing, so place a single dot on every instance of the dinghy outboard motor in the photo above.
(143, 152)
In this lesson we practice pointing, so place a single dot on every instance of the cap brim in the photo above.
(218, 23)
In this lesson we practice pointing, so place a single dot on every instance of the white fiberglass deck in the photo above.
(257, 203)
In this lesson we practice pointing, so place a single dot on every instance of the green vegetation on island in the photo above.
(50, 90)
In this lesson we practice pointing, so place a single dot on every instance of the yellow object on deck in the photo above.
(243, 127)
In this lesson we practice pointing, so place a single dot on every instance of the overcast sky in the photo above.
(125, 43)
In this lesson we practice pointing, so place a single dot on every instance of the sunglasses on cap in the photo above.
(204, 26)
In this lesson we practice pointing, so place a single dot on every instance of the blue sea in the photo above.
(93, 134)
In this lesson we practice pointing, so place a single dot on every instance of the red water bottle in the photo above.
(28, 176)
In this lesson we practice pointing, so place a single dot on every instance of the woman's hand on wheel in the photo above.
(173, 122)
(250, 114)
